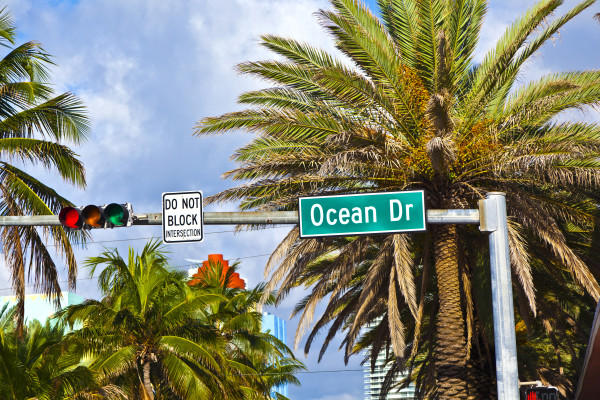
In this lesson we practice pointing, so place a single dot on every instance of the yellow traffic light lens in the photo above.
(92, 216)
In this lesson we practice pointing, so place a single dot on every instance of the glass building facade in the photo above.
(276, 327)
(373, 381)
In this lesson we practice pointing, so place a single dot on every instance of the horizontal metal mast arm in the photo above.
(251, 217)
(30, 220)
(229, 218)
(453, 216)
(244, 217)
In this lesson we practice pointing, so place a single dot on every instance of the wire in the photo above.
(152, 237)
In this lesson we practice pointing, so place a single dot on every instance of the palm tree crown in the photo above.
(408, 108)
(45, 364)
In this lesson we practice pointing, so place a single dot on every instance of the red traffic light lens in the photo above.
(69, 217)
(92, 216)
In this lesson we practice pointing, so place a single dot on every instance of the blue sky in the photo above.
(148, 70)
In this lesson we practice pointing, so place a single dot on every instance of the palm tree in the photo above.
(143, 334)
(33, 123)
(43, 364)
(161, 339)
(408, 108)
(240, 325)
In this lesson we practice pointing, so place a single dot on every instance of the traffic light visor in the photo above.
(116, 214)
(92, 216)
(69, 217)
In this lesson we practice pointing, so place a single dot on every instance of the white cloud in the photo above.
(5, 280)
(148, 70)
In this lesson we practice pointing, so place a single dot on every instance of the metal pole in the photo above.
(491, 217)
(494, 220)
(244, 217)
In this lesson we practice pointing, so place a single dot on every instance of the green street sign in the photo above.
(359, 214)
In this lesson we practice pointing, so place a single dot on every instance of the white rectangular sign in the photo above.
(182, 218)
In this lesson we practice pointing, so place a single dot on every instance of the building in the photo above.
(373, 382)
(38, 306)
(275, 326)
(204, 272)
(270, 323)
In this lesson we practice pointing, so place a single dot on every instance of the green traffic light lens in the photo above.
(116, 214)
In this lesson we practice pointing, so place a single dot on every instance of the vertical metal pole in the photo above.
(493, 220)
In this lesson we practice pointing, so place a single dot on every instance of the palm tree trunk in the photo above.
(147, 383)
(450, 357)
(479, 382)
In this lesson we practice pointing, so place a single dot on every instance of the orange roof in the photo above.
(235, 282)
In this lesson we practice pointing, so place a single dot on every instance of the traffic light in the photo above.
(97, 217)
(541, 393)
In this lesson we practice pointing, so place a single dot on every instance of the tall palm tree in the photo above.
(408, 108)
(33, 124)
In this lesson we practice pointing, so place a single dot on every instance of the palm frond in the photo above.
(486, 81)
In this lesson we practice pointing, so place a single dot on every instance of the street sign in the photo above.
(358, 214)
(182, 218)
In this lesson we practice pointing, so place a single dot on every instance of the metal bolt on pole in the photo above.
(494, 220)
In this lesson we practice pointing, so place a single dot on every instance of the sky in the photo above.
(148, 70)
